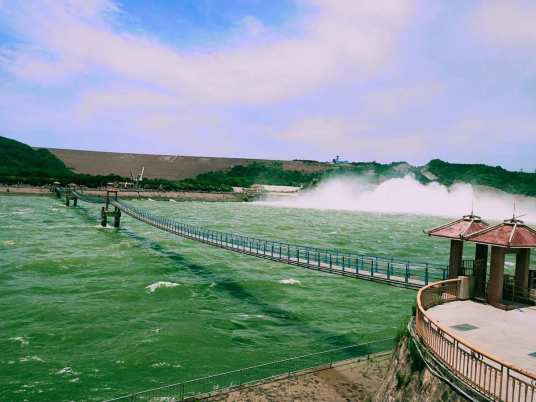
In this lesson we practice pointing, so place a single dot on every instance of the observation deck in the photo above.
(489, 351)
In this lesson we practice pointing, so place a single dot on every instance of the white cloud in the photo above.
(506, 23)
(353, 137)
(394, 100)
(340, 39)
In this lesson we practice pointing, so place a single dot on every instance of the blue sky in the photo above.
(406, 80)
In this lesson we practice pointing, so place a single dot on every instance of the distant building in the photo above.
(338, 160)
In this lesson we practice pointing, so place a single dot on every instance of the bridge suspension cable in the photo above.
(392, 271)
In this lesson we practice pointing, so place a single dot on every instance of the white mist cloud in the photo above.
(408, 196)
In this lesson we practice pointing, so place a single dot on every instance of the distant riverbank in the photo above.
(134, 194)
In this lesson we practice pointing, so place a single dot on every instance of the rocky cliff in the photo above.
(409, 380)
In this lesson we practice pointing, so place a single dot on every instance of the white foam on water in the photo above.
(172, 200)
(8, 242)
(67, 371)
(252, 316)
(23, 341)
(99, 226)
(31, 359)
(161, 284)
(407, 195)
(290, 281)
(160, 364)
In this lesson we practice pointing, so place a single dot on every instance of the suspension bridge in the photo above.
(392, 271)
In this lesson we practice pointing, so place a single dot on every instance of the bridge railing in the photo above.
(394, 270)
(492, 377)
(262, 372)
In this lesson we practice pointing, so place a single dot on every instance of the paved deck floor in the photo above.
(509, 335)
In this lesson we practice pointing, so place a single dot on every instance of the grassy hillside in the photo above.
(21, 157)
(20, 163)
(492, 176)
(271, 173)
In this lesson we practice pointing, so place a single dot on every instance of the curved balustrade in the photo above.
(492, 377)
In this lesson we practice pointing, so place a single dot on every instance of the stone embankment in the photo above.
(155, 195)
(353, 380)
(398, 377)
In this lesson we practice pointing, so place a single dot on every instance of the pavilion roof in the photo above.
(511, 233)
(460, 228)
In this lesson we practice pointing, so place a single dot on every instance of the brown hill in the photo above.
(171, 167)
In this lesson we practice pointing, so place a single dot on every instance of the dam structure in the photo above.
(392, 271)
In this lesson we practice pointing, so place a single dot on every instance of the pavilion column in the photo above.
(522, 269)
(480, 268)
(455, 260)
(496, 276)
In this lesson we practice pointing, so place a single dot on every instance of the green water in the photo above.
(78, 323)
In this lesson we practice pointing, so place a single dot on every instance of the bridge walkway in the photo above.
(391, 271)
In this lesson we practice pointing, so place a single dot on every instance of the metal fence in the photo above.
(496, 380)
(262, 372)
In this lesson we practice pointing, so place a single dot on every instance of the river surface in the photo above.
(79, 319)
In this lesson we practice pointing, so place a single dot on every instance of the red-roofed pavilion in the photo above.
(512, 235)
(456, 231)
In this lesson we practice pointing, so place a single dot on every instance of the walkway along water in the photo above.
(378, 269)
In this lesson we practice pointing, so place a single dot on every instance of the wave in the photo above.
(31, 359)
(408, 196)
(161, 284)
(290, 281)
(67, 371)
(23, 341)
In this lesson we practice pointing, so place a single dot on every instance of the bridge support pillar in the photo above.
(104, 217)
(116, 214)
(69, 196)
(117, 217)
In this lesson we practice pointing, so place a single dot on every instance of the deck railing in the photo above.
(263, 372)
(490, 376)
